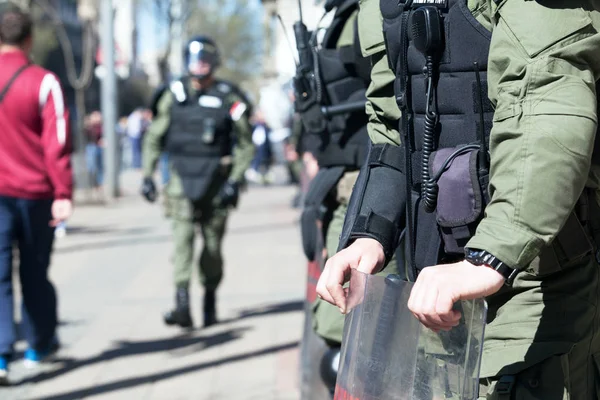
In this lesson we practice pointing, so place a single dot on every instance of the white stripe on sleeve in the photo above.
(50, 86)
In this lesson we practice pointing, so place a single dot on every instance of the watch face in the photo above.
(474, 256)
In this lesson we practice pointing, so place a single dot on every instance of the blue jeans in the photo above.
(95, 163)
(263, 156)
(164, 168)
(136, 152)
(25, 224)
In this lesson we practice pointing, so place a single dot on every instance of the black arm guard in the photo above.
(377, 205)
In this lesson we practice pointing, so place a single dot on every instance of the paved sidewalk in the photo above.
(114, 281)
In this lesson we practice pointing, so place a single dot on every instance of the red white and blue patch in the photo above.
(237, 110)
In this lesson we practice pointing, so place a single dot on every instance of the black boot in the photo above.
(210, 311)
(181, 314)
(330, 363)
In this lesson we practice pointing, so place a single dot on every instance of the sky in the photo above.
(152, 31)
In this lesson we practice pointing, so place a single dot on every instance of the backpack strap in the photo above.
(12, 80)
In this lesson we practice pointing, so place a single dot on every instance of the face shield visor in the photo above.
(202, 59)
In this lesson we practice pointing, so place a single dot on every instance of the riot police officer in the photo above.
(489, 154)
(202, 122)
(336, 127)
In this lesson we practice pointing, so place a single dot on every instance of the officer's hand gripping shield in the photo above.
(388, 355)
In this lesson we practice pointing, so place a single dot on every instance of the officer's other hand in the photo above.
(229, 194)
(61, 211)
(438, 288)
(366, 255)
(149, 189)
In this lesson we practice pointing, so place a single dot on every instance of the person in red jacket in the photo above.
(35, 187)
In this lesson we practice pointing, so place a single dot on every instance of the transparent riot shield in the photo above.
(312, 346)
(388, 355)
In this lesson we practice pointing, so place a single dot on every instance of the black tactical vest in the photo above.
(199, 135)
(445, 133)
(342, 76)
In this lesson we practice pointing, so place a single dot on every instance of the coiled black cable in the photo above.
(429, 187)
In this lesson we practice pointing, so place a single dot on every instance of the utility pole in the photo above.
(177, 13)
(109, 100)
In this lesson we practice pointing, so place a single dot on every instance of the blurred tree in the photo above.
(235, 25)
(133, 93)
(167, 16)
(67, 49)
(238, 30)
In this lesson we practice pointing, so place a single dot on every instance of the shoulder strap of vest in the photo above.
(178, 89)
(156, 96)
(334, 31)
(239, 92)
(404, 103)
(12, 80)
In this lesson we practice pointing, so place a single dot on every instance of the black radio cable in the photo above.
(429, 187)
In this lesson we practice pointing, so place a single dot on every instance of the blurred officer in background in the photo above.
(202, 122)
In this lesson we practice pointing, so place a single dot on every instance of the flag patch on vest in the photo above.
(210, 102)
(437, 3)
(237, 110)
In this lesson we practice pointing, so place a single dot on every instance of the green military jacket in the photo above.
(543, 67)
(154, 141)
(542, 72)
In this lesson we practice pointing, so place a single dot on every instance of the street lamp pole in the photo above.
(109, 100)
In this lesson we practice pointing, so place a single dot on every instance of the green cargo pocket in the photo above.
(537, 27)
(546, 380)
(181, 208)
(571, 247)
(370, 28)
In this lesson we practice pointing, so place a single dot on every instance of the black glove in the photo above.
(149, 189)
(229, 194)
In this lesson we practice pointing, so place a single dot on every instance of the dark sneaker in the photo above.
(4, 370)
(34, 357)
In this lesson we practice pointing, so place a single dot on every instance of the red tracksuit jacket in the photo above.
(35, 140)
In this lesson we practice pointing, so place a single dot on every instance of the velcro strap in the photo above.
(347, 55)
(392, 156)
(351, 155)
(505, 386)
(387, 155)
(376, 227)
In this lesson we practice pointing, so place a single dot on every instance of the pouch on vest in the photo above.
(208, 135)
(461, 197)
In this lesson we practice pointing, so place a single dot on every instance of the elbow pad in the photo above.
(377, 206)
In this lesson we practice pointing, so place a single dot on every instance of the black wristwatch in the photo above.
(482, 257)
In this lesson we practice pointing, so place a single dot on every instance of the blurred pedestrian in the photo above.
(94, 151)
(35, 188)
(136, 125)
(259, 171)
